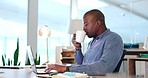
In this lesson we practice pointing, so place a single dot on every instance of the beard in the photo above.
(89, 36)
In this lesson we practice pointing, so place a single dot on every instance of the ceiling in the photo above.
(137, 7)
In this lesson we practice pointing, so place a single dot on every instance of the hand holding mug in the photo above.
(76, 44)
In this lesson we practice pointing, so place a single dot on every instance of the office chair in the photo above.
(116, 70)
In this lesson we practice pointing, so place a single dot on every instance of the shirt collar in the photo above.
(101, 35)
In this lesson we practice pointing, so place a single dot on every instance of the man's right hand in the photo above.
(76, 44)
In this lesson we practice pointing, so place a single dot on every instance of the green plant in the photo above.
(36, 60)
(3, 59)
(15, 58)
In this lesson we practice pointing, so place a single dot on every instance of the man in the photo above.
(103, 52)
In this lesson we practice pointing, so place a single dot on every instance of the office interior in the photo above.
(23, 18)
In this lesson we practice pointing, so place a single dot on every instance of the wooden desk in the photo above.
(135, 51)
(24, 73)
(16, 73)
(131, 61)
(114, 75)
(133, 56)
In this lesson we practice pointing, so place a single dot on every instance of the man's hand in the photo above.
(57, 67)
(76, 44)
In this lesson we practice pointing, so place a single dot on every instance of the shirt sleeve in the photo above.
(79, 56)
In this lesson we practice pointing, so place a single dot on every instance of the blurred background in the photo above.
(129, 18)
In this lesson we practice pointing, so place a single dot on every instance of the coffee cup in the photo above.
(80, 36)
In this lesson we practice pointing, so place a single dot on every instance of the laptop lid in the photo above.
(33, 66)
(31, 59)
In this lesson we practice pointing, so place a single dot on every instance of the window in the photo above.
(13, 25)
(56, 16)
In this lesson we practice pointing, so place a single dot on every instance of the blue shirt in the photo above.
(102, 55)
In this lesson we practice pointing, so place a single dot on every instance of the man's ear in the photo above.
(99, 22)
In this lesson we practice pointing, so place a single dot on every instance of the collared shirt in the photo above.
(102, 55)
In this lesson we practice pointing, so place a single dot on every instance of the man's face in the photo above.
(90, 26)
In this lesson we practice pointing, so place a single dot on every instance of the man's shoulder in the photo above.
(113, 34)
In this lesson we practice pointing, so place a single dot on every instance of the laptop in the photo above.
(33, 66)
(38, 72)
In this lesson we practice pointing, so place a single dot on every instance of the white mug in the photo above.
(80, 36)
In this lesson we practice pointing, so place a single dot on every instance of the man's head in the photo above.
(94, 23)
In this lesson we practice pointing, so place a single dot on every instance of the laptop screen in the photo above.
(31, 59)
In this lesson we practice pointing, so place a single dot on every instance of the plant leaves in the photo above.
(15, 57)
(37, 60)
(3, 59)
(9, 61)
(16, 54)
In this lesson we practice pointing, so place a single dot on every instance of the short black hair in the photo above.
(96, 14)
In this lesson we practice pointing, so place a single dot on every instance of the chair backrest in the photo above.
(119, 63)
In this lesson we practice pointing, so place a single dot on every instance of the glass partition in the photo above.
(13, 26)
(127, 18)
(56, 16)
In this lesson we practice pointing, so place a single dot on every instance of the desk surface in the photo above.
(26, 73)
(136, 50)
(115, 75)
(16, 73)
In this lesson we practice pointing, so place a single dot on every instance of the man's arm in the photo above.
(79, 56)
(105, 65)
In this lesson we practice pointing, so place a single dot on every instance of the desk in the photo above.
(115, 75)
(133, 56)
(24, 73)
(131, 61)
(16, 73)
(135, 51)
